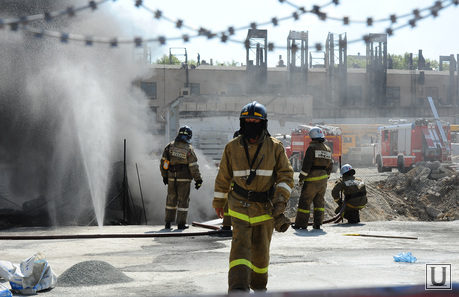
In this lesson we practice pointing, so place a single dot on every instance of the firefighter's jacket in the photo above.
(317, 163)
(182, 161)
(273, 170)
(352, 190)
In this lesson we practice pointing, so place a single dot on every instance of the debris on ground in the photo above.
(91, 273)
(32, 275)
(428, 192)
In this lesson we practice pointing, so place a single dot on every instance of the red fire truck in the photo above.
(300, 141)
(402, 144)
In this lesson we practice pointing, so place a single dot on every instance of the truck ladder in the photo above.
(440, 128)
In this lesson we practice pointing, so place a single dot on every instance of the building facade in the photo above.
(222, 90)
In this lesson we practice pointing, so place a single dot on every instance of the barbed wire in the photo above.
(49, 16)
(224, 35)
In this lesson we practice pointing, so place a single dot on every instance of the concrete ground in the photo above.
(314, 261)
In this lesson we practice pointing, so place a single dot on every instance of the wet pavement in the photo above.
(195, 261)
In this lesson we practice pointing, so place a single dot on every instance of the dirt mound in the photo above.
(428, 192)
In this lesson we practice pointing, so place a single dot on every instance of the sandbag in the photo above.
(4, 291)
(30, 276)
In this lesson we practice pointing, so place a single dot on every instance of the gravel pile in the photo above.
(91, 273)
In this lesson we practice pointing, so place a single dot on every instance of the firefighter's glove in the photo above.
(341, 206)
(198, 184)
(301, 179)
(220, 213)
(279, 205)
(165, 180)
(281, 223)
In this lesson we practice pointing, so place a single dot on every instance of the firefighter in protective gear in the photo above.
(316, 169)
(178, 166)
(355, 195)
(262, 178)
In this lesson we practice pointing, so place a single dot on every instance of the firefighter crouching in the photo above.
(179, 165)
(317, 166)
(355, 194)
(263, 181)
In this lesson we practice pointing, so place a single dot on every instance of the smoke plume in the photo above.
(66, 110)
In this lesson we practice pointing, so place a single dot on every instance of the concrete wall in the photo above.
(216, 83)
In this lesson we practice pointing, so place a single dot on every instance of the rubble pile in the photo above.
(430, 191)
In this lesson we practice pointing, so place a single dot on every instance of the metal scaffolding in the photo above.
(257, 65)
(376, 70)
(336, 67)
(297, 62)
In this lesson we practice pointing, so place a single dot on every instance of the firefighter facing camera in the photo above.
(179, 166)
(316, 169)
(355, 195)
(255, 179)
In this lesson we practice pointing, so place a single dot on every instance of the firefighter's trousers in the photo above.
(249, 256)
(226, 216)
(352, 216)
(353, 207)
(312, 192)
(178, 199)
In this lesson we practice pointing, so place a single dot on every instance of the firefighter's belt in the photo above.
(318, 167)
(355, 195)
(254, 196)
(177, 168)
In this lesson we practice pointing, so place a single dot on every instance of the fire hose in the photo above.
(334, 219)
(89, 236)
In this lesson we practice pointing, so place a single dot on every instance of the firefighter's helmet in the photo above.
(254, 110)
(347, 169)
(316, 133)
(184, 134)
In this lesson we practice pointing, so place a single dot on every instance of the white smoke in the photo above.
(68, 109)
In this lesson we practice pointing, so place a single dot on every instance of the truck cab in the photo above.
(300, 141)
(401, 146)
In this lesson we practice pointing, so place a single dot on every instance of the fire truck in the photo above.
(300, 141)
(402, 144)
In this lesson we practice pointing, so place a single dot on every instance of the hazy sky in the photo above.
(435, 36)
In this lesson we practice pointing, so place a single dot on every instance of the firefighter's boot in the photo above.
(302, 219)
(318, 218)
(183, 226)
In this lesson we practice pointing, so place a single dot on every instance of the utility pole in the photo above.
(185, 65)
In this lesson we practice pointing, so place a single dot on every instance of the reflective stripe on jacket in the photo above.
(318, 154)
(181, 153)
(274, 169)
